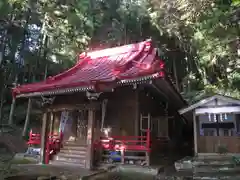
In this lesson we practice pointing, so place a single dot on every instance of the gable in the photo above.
(219, 102)
(216, 100)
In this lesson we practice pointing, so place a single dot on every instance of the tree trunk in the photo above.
(175, 74)
(1, 104)
(3, 48)
(45, 51)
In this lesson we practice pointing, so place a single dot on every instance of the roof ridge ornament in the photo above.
(148, 45)
(83, 55)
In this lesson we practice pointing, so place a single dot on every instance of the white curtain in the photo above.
(63, 120)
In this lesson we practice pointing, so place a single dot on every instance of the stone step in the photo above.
(215, 169)
(198, 176)
(213, 162)
(74, 143)
(203, 176)
(189, 163)
(76, 148)
(214, 165)
(64, 163)
(76, 156)
(69, 159)
(73, 151)
(216, 176)
(214, 158)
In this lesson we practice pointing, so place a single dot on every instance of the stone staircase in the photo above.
(220, 167)
(209, 167)
(71, 154)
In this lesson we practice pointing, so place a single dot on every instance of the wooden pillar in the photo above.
(27, 117)
(195, 130)
(10, 120)
(137, 113)
(148, 144)
(218, 129)
(44, 137)
(90, 139)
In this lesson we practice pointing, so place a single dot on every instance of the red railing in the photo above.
(124, 144)
(133, 143)
(34, 139)
(53, 143)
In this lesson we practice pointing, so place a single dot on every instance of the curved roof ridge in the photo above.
(133, 61)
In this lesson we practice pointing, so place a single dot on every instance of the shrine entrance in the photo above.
(72, 124)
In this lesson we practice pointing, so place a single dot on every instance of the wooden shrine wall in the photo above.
(150, 104)
(121, 111)
(210, 144)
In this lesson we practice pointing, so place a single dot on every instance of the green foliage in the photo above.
(208, 32)
(66, 28)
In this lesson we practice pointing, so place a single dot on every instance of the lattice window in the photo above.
(82, 125)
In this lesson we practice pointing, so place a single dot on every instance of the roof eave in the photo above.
(139, 80)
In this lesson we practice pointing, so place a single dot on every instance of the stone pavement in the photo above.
(77, 173)
(63, 172)
(127, 172)
(207, 168)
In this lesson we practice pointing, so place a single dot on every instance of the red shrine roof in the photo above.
(120, 65)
